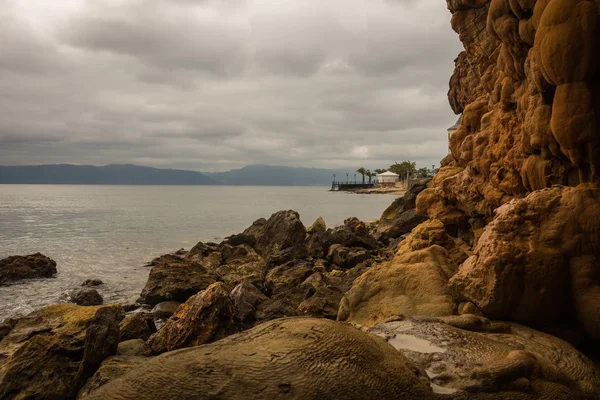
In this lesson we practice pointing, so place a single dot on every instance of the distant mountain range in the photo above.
(126, 174)
(269, 175)
(116, 174)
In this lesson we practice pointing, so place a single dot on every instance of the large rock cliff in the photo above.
(528, 87)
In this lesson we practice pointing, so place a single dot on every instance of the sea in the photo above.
(110, 232)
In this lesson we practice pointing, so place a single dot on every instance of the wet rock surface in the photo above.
(471, 357)
(16, 268)
(86, 297)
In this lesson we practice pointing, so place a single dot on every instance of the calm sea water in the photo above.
(109, 232)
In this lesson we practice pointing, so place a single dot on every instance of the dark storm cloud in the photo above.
(213, 85)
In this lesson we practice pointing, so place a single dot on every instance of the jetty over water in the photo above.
(350, 185)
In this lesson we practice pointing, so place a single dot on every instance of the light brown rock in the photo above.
(411, 284)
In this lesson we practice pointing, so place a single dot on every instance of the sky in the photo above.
(212, 85)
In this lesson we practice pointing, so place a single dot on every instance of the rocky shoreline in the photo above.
(483, 283)
(264, 298)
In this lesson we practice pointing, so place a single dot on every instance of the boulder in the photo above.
(246, 298)
(281, 281)
(469, 357)
(137, 326)
(165, 309)
(353, 233)
(86, 297)
(318, 226)
(411, 284)
(92, 283)
(281, 231)
(203, 318)
(347, 257)
(134, 347)
(539, 260)
(51, 352)
(111, 369)
(16, 268)
(176, 280)
(300, 358)
(201, 252)
(326, 290)
(433, 232)
(240, 263)
(401, 216)
(403, 223)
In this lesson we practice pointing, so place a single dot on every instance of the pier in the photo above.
(335, 186)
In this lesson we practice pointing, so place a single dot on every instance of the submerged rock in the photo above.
(86, 297)
(92, 283)
(300, 358)
(16, 268)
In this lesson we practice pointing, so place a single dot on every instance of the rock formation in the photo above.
(472, 358)
(16, 268)
(299, 358)
(50, 353)
(527, 86)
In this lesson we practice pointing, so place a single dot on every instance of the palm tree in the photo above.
(403, 168)
(363, 172)
(370, 175)
(380, 171)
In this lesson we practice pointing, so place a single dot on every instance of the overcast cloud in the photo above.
(212, 85)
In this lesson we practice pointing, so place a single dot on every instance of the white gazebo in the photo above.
(387, 178)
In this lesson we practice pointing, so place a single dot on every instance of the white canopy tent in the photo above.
(387, 177)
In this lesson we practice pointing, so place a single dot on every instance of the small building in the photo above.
(387, 178)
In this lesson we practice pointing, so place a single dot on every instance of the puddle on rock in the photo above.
(441, 390)
(409, 342)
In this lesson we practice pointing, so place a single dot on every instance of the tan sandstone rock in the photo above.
(299, 358)
(414, 283)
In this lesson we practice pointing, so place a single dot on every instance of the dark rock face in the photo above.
(353, 233)
(281, 231)
(50, 352)
(401, 216)
(287, 358)
(246, 298)
(175, 279)
(92, 283)
(86, 297)
(137, 326)
(16, 268)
